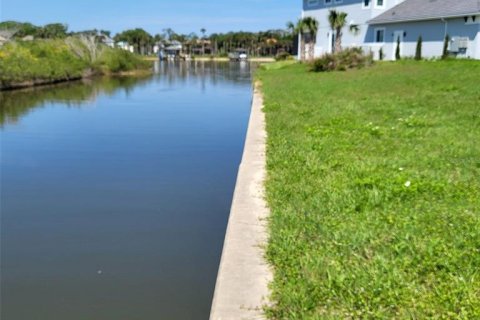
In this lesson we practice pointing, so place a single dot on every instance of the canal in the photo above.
(115, 192)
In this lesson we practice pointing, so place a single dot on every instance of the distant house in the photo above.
(381, 23)
(125, 46)
(202, 46)
(172, 51)
(107, 41)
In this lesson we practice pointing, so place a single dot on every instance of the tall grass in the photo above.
(51, 60)
(24, 61)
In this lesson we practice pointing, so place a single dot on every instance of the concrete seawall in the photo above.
(243, 277)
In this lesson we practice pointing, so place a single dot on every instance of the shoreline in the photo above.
(219, 59)
(241, 289)
(87, 75)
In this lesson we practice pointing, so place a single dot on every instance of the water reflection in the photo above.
(15, 104)
(175, 71)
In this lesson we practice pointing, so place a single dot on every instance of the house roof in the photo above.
(414, 10)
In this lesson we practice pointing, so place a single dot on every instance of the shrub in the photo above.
(381, 54)
(282, 56)
(326, 62)
(352, 58)
(418, 51)
(445, 47)
(55, 60)
(397, 50)
(119, 60)
(38, 60)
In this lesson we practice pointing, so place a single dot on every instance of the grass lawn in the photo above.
(374, 187)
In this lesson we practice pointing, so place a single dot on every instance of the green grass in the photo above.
(374, 187)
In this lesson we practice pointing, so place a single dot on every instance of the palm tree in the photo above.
(299, 29)
(337, 21)
(311, 28)
(203, 31)
(168, 33)
(303, 27)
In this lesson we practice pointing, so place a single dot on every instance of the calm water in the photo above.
(115, 193)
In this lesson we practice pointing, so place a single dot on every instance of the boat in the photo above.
(238, 55)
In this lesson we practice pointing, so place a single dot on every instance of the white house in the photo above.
(125, 46)
(381, 23)
(107, 41)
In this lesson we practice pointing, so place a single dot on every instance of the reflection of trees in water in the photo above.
(204, 72)
(15, 104)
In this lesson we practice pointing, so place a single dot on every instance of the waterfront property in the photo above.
(380, 24)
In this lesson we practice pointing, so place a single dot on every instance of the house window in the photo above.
(311, 3)
(328, 1)
(366, 4)
(380, 35)
(380, 3)
(472, 20)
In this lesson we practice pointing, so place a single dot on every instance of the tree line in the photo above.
(262, 43)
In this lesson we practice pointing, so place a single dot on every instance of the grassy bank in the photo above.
(374, 187)
(44, 61)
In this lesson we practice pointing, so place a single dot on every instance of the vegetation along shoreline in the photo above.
(48, 61)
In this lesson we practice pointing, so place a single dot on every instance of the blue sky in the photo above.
(183, 16)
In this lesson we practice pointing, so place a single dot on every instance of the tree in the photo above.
(19, 29)
(300, 29)
(397, 50)
(53, 31)
(337, 21)
(446, 41)
(203, 31)
(381, 55)
(311, 28)
(418, 51)
(139, 38)
(107, 33)
(168, 33)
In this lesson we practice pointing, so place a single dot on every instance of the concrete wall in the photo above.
(433, 34)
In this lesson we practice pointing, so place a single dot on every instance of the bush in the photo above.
(352, 58)
(56, 60)
(445, 47)
(397, 50)
(38, 60)
(418, 51)
(282, 56)
(118, 60)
